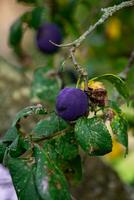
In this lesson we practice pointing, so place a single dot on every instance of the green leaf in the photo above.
(114, 106)
(34, 18)
(93, 136)
(63, 147)
(16, 32)
(45, 86)
(13, 148)
(49, 126)
(38, 16)
(23, 176)
(72, 170)
(49, 148)
(2, 150)
(36, 110)
(50, 181)
(68, 7)
(69, 163)
(120, 128)
(10, 135)
(117, 82)
(19, 146)
(66, 146)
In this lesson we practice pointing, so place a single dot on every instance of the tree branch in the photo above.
(107, 12)
(62, 132)
(81, 71)
(125, 72)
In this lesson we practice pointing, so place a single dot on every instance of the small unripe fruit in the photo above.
(45, 33)
(71, 104)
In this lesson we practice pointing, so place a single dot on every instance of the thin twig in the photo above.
(62, 132)
(82, 72)
(107, 12)
(73, 198)
(125, 72)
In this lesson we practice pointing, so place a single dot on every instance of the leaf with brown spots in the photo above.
(50, 181)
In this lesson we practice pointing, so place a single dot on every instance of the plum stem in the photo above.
(82, 72)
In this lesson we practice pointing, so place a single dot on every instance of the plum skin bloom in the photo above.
(71, 103)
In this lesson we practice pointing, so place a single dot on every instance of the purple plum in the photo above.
(45, 33)
(71, 103)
